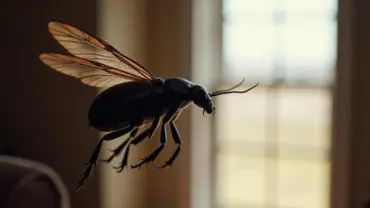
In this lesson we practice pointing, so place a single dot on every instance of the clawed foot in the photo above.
(84, 177)
(150, 158)
(145, 161)
(116, 152)
(123, 164)
(121, 167)
(172, 158)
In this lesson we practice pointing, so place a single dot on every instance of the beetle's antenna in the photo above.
(229, 91)
(240, 83)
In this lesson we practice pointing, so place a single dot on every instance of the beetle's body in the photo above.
(134, 95)
(136, 103)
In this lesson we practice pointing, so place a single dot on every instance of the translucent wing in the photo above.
(88, 47)
(89, 72)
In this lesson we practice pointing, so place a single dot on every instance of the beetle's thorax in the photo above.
(179, 86)
(187, 91)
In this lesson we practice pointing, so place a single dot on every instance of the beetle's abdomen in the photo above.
(125, 104)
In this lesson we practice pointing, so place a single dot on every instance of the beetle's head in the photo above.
(203, 99)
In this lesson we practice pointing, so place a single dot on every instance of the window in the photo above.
(272, 144)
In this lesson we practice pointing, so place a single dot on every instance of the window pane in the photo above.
(273, 143)
(309, 50)
(240, 181)
(303, 184)
(242, 117)
(304, 117)
(298, 37)
(249, 49)
(317, 5)
(249, 6)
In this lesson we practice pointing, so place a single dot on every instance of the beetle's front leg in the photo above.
(163, 140)
(177, 139)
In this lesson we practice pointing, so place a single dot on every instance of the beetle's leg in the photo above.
(156, 152)
(177, 139)
(84, 177)
(146, 134)
(163, 140)
(119, 149)
(135, 141)
(154, 126)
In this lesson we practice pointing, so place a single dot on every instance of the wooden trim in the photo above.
(342, 106)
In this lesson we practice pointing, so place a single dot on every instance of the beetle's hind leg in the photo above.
(94, 157)
(119, 149)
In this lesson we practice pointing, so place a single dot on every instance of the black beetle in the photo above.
(135, 96)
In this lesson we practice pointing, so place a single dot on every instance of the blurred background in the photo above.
(298, 140)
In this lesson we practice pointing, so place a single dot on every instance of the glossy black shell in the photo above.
(134, 103)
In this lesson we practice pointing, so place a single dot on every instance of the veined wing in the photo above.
(86, 46)
(89, 72)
